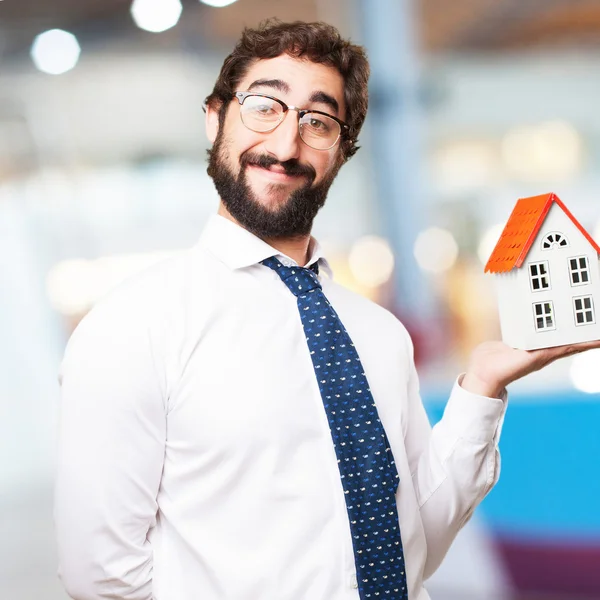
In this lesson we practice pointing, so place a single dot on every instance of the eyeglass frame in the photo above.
(344, 127)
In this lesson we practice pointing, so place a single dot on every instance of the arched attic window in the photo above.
(554, 240)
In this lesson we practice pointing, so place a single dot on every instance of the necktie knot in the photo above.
(299, 280)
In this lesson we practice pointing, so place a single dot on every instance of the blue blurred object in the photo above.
(543, 514)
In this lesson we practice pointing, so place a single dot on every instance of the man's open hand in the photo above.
(494, 365)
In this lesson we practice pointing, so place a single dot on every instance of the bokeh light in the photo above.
(74, 286)
(55, 51)
(371, 260)
(585, 372)
(436, 250)
(156, 15)
(552, 150)
(466, 165)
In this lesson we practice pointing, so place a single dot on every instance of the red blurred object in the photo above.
(571, 569)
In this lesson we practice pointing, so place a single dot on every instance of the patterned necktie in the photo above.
(366, 464)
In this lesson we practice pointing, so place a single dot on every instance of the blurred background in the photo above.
(474, 104)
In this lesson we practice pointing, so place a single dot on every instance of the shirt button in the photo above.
(354, 582)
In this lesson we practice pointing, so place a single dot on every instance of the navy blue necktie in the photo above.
(366, 464)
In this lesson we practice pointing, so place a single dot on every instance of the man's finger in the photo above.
(571, 349)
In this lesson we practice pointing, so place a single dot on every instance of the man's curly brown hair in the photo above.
(317, 42)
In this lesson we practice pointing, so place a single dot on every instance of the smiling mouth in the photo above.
(275, 173)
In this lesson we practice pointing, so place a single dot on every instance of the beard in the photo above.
(292, 217)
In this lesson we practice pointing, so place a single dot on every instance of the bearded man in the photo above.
(236, 425)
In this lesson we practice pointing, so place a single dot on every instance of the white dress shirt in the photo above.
(196, 461)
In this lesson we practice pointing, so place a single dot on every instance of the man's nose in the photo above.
(284, 142)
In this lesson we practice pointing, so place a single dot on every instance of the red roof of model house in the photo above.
(520, 231)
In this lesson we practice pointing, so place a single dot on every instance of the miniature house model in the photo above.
(548, 276)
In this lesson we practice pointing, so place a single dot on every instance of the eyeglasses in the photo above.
(263, 113)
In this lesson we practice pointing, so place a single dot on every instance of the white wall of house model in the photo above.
(547, 270)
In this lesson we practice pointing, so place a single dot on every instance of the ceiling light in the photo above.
(218, 3)
(156, 15)
(55, 51)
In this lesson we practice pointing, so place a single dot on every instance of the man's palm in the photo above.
(494, 364)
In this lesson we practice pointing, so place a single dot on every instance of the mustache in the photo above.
(291, 167)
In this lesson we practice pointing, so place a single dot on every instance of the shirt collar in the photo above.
(237, 248)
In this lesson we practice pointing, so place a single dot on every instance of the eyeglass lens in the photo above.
(262, 114)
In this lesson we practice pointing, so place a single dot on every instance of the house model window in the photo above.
(579, 270)
(584, 310)
(547, 271)
(554, 240)
(544, 316)
(538, 276)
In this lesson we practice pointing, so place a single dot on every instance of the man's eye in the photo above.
(319, 125)
(264, 109)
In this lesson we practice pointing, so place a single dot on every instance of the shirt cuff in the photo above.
(474, 417)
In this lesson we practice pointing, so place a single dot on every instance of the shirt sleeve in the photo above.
(454, 464)
(111, 449)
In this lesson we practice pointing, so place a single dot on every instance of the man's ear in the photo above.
(212, 122)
